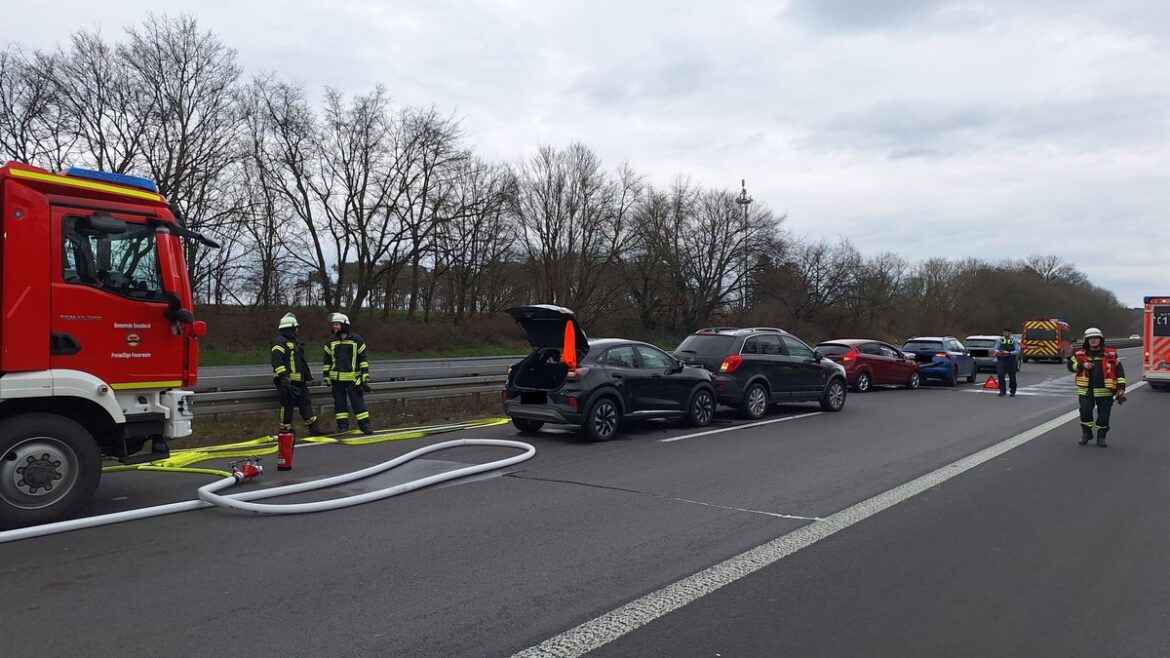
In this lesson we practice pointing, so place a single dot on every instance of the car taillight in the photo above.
(572, 402)
(577, 373)
(942, 355)
(731, 363)
(850, 356)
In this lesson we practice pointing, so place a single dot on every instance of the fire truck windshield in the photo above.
(123, 263)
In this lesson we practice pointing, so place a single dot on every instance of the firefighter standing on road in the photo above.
(1100, 379)
(348, 372)
(290, 373)
(1007, 362)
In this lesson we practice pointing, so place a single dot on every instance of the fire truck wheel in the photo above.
(49, 468)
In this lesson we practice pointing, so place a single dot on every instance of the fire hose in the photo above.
(250, 468)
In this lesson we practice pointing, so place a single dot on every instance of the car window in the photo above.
(890, 352)
(768, 345)
(980, 343)
(653, 359)
(871, 349)
(833, 349)
(796, 348)
(621, 357)
(954, 346)
(706, 345)
(922, 345)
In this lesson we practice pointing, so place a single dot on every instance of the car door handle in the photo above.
(616, 375)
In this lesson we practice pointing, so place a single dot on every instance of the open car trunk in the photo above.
(543, 370)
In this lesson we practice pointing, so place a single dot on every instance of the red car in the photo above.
(871, 362)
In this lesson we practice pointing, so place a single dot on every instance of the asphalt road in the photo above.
(1048, 549)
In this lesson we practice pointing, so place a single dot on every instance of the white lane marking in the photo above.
(750, 511)
(614, 624)
(738, 427)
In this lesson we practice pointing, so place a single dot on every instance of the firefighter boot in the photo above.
(343, 426)
(1086, 435)
(364, 425)
(315, 428)
(1101, 438)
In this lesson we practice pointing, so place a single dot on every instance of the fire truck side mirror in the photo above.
(199, 329)
(182, 316)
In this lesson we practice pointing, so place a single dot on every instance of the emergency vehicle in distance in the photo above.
(98, 341)
(1156, 342)
(1046, 338)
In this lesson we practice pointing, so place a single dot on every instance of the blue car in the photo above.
(941, 357)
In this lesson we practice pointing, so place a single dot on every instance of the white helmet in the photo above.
(1093, 331)
(288, 321)
(339, 317)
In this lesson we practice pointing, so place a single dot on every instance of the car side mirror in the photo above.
(678, 366)
(817, 356)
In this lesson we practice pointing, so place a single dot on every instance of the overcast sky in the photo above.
(989, 128)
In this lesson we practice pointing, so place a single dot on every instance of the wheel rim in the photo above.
(605, 419)
(704, 407)
(757, 401)
(863, 382)
(37, 473)
(836, 395)
(915, 380)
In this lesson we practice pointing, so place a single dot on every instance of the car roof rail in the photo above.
(766, 329)
(710, 330)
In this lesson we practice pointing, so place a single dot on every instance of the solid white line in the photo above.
(738, 427)
(628, 618)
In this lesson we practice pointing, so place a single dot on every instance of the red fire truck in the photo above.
(1156, 342)
(98, 341)
(1047, 338)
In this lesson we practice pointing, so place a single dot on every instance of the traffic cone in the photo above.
(991, 384)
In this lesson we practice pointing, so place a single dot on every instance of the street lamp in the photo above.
(743, 199)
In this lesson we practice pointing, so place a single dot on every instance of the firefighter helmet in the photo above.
(289, 321)
(339, 317)
(1093, 331)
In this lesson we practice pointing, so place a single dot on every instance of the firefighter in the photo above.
(291, 375)
(1007, 352)
(348, 373)
(1100, 379)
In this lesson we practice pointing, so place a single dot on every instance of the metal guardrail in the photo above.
(230, 402)
(245, 378)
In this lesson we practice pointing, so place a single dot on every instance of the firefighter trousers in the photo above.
(296, 398)
(347, 395)
(1006, 369)
(1104, 407)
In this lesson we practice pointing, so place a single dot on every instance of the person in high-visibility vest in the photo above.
(1007, 353)
(348, 371)
(1100, 380)
(291, 375)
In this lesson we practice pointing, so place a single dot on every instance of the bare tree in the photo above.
(31, 127)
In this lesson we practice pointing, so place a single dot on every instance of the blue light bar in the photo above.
(117, 179)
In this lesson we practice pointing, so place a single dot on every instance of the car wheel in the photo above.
(49, 469)
(755, 402)
(603, 419)
(953, 377)
(834, 397)
(702, 408)
(526, 426)
(863, 382)
(915, 381)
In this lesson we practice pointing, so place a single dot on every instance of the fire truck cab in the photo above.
(1046, 338)
(98, 340)
(1156, 342)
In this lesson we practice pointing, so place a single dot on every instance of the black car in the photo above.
(763, 365)
(612, 379)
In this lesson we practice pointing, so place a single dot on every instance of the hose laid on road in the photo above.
(208, 491)
(236, 500)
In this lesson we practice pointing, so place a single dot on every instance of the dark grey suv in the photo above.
(760, 366)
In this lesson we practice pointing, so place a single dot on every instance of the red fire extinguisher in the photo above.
(284, 449)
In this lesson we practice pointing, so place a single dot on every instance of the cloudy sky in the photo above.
(987, 128)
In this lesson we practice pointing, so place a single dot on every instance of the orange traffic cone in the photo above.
(991, 384)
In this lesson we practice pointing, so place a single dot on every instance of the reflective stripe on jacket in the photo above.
(1106, 376)
(288, 358)
(345, 358)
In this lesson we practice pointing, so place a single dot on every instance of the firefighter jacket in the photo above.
(288, 358)
(1106, 376)
(345, 359)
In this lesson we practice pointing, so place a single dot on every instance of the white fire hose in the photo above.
(250, 469)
